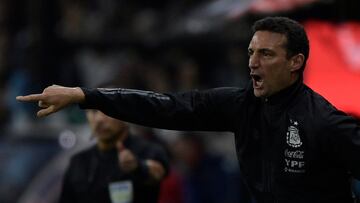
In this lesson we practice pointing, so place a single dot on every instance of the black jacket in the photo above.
(90, 172)
(293, 147)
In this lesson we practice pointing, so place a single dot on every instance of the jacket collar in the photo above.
(285, 96)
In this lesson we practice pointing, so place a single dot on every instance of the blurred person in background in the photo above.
(120, 168)
(205, 173)
(293, 145)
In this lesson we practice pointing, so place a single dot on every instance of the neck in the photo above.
(295, 77)
(283, 95)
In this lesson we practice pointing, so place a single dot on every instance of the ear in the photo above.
(296, 62)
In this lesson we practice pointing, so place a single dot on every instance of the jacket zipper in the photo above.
(267, 165)
(266, 171)
(267, 179)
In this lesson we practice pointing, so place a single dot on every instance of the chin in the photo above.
(258, 93)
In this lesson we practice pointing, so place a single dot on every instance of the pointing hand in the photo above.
(54, 98)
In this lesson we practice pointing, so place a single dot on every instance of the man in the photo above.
(292, 145)
(121, 168)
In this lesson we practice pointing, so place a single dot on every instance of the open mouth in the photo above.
(257, 80)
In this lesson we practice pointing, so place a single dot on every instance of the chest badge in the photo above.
(292, 135)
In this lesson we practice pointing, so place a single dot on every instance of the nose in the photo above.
(254, 61)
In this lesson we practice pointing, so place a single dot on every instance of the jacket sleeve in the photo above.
(211, 110)
(346, 141)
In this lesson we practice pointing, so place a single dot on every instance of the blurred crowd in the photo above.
(132, 44)
(86, 43)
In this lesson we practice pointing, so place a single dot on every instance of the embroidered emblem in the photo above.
(292, 135)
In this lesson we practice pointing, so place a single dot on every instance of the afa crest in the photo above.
(293, 136)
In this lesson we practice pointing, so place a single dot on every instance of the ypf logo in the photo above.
(292, 135)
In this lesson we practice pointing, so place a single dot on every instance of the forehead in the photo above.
(268, 40)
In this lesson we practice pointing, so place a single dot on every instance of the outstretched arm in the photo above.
(54, 98)
(213, 109)
(208, 110)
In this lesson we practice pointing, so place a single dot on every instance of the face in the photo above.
(105, 128)
(270, 69)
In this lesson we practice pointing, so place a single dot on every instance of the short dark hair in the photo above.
(297, 40)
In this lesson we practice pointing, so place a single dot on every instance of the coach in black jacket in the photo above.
(293, 146)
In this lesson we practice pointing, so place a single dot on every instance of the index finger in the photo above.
(30, 98)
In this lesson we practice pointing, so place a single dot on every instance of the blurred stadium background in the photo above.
(161, 45)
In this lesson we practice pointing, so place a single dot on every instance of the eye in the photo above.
(250, 52)
(267, 53)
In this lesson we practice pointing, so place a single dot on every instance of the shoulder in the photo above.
(319, 103)
(80, 163)
(321, 110)
(84, 155)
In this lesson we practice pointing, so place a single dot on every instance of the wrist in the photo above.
(79, 95)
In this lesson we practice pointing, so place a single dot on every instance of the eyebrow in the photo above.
(262, 49)
(266, 49)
